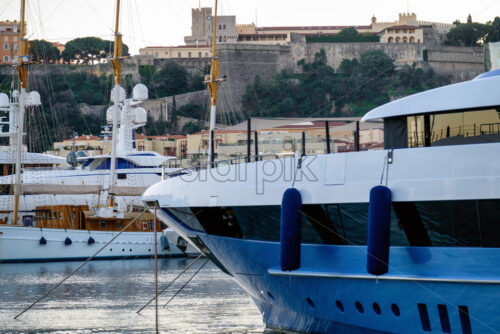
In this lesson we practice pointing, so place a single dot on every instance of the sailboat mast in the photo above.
(213, 85)
(23, 76)
(115, 61)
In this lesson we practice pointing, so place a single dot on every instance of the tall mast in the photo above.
(213, 85)
(23, 76)
(115, 61)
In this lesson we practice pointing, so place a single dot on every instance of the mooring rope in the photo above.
(189, 280)
(83, 264)
(169, 284)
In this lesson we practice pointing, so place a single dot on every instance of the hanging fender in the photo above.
(290, 229)
(379, 230)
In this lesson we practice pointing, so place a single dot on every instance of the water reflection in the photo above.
(103, 297)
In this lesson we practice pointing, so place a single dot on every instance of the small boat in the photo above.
(72, 232)
(400, 240)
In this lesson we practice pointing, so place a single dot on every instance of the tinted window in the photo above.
(454, 128)
(437, 223)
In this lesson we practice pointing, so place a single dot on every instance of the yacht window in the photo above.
(452, 223)
(455, 128)
(465, 223)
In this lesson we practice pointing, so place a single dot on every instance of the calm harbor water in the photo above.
(103, 297)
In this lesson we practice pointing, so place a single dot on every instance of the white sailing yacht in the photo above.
(52, 220)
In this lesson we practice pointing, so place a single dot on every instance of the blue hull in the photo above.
(435, 289)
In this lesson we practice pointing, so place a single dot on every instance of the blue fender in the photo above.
(379, 228)
(290, 229)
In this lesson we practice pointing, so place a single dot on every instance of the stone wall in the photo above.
(461, 63)
(240, 63)
(401, 54)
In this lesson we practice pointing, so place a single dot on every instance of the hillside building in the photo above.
(9, 35)
(172, 145)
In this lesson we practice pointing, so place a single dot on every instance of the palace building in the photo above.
(407, 29)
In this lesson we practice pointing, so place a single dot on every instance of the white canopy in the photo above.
(478, 93)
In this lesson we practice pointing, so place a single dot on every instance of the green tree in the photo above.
(43, 51)
(348, 34)
(147, 73)
(89, 50)
(493, 30)
(172, 79)
(173, 117)
(191, 127)
(349, 66)
(376, 63)
(192, 110)
(467, 34)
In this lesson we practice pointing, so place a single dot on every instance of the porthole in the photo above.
(359, 307)
(123, 249)
(395, 310)
(111, 249)
(376, 308)
(339, 305)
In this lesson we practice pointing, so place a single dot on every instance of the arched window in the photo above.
(398, 40)
(224, 27)
(220, 27)
(390, 40)
(225, 39)
(220, 39)
(412, 39)
(405, 39)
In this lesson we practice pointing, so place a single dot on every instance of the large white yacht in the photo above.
(401, 240)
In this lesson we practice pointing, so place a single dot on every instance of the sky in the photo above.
(166, 22)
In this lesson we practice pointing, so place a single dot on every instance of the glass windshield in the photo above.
(458, 128)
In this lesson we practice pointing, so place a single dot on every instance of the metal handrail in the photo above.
(232, 161)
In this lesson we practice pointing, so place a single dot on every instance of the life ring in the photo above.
(144, 226)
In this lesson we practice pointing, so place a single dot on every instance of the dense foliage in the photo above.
(42, 51)
(89, 50)
(346, 35)
(171, 79)
(473, 33)
(352, 90)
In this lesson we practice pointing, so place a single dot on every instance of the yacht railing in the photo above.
(231, 161)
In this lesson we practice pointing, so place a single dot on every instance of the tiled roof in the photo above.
(205, 132)
(305, 28)
(84, 137)
(174, 47)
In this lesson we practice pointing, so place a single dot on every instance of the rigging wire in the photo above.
(83, 264)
